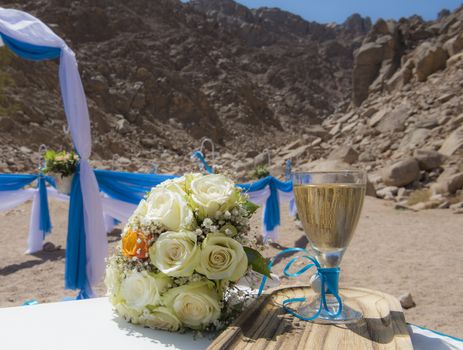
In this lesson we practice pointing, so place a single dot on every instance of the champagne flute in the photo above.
(329, 206)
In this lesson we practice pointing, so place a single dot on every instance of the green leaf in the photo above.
(257, 261)
(250, 207)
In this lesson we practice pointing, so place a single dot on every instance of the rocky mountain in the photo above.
(264, 84)
(159, 75)
(405, 122)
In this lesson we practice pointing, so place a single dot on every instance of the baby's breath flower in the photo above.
(207, 222)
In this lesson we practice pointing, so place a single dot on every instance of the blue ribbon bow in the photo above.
(203, 161)
(329, 278)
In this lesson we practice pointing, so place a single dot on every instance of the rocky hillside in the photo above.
(405, 123)
(160, 75)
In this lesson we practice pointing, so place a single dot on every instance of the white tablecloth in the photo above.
(92, 324)
(81, 325)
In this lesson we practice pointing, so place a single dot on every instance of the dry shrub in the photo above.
(419, 196)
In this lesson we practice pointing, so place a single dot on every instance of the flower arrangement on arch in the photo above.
(181, 254)
(62, 163)
(61, 166)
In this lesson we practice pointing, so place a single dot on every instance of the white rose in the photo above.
(128, 313)
(222, 258)
(175, 185)
(176, 253)
(195, 304)
(139, 213)
(212, 193)
(160, 318)
(170, 209)
(140, 289)
(113, 279)
(189, 177)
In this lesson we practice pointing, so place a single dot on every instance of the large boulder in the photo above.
(344, 153)
(429, 58)
(401, 173)
(454, 45)
(401, 77)
(452, 143)
(377, 117)
(318, 131)
(326, 165)
(262, 159)
(414, 139)
(376, 60)
(449, 184)
(297, 153)
(395, 119)
(428, 159)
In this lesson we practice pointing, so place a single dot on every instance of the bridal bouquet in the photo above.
(181, 254)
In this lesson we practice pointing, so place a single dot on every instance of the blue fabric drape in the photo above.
(256, 186)
(272, 206)
(76, 257)
(13, 182)
(128, 187)
(45, 222)
(50, 180)
(29, 51)
(131, 188)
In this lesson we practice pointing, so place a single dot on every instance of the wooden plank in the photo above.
(265, 325)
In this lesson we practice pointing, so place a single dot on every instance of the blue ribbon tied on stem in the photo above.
(329, 280)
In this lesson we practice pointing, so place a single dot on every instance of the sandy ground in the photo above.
(393, 251)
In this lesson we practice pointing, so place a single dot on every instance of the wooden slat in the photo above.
(265, 325)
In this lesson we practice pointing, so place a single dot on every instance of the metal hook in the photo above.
(203, 144)
(42, 149)
(154, 168)
(66, 129)
(267, 151)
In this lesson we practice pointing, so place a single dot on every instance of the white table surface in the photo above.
(92, 324)
(81, 325)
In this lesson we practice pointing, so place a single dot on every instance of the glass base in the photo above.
(347, 315)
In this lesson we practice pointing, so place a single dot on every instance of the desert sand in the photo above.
(394, 251)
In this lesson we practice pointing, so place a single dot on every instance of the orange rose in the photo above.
(135, 244)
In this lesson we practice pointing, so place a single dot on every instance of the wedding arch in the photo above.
(86, 246)
(96, 195)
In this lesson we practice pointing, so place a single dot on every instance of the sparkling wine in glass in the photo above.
(329, 206)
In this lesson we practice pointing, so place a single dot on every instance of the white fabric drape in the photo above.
(75, 105)
(260, 198)
(283, 197)
(53, 193)
(28, 29)
(11, 199)
(117, 209)
(288, 197)
(35, 238)
(113, 209)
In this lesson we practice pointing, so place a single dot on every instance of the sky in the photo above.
(325, 11)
